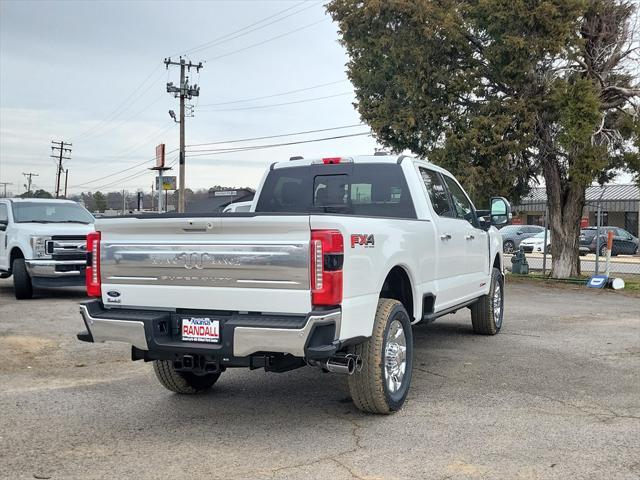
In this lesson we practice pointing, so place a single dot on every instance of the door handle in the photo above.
(445, 236)
(469, 237)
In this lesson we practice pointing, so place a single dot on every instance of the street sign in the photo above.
(168, 183)
(160, 156)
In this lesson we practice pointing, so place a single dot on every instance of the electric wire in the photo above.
(120, 171)
(281, 94)
(271, 105)
(220, 142)
(200, 153)
(271, 39)
(122, 107)
(246, 30)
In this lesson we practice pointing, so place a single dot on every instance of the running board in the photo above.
(430, 317)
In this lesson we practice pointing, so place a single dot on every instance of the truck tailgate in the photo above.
(241, 263)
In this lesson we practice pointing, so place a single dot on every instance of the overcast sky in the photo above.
(91, 73)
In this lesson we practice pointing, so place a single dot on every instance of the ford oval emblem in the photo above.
(113, 293)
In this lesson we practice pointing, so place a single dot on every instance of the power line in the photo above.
(246, 30)
(200, 153)
(275, 136)
(122, 107)
(119, 171)
(271, 105)
(290, 32)
(120, 181)
(273, 95)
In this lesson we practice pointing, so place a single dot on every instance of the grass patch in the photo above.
(632, 284)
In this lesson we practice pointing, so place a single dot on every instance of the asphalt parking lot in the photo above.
(555, 395)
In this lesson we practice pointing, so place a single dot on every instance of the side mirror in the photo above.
(3, 225)
(500, 211)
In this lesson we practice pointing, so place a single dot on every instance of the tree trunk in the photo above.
(565, 202)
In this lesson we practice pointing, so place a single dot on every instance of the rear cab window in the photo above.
(365, 189)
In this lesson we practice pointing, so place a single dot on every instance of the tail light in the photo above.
(94, 285)
(327, 256)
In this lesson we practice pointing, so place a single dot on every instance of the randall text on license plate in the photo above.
(200, 329)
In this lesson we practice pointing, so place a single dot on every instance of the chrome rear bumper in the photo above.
(247, 337)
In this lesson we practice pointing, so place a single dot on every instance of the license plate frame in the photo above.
(198, 329)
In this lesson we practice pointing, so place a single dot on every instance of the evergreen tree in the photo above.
(503, 94)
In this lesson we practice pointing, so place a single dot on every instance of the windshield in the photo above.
(50, 212)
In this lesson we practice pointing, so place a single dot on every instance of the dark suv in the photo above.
(623, 242)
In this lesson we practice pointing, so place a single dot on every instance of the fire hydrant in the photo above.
(519, 264)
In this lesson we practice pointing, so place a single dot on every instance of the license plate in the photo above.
(200, 329)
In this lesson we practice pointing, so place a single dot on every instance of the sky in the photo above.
(92, 73)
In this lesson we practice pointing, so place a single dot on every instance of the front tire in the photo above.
(182, 382)
(381, 386)
(22, 285)
(487, 313)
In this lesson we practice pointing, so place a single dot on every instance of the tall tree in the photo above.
(502, 93)
(99, 202)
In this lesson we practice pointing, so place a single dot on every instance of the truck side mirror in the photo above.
(3, 225)
(500, 211)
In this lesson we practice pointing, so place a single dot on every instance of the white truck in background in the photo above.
(336, 261)
(43, 243)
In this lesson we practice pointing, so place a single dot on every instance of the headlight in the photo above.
(39, 246)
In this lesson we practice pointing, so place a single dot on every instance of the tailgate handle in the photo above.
(195, 226)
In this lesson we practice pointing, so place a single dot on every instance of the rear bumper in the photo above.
(241, 335)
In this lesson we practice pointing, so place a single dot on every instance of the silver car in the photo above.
(512, 235)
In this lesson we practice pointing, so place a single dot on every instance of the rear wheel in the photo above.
(182, 382)
(487, 313)
(603, 251)
(22, 286)
(381, 386)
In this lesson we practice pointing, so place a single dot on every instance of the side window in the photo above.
(4, 215)
(437, 193)
(461, 203)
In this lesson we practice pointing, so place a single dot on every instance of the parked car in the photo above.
(536, 243)
(43, 243)
(512, 235)
(623, 242)
(340, 258)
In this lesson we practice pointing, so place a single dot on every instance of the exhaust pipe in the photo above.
(347, 364)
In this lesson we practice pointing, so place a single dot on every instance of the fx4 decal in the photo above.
(362, 239)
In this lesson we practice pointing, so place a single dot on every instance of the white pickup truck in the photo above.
(43, 243)
(336, 261)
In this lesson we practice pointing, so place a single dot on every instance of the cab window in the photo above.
(4, 213)
(462, 205)
(437, 193)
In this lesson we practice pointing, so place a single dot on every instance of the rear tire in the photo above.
(22, 286)
(487, 313)
(381, 386)
(182, 382)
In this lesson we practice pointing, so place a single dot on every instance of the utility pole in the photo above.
(60, 146)
(4, 184)
(29, 175)
(184, 91)
(66, 180)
